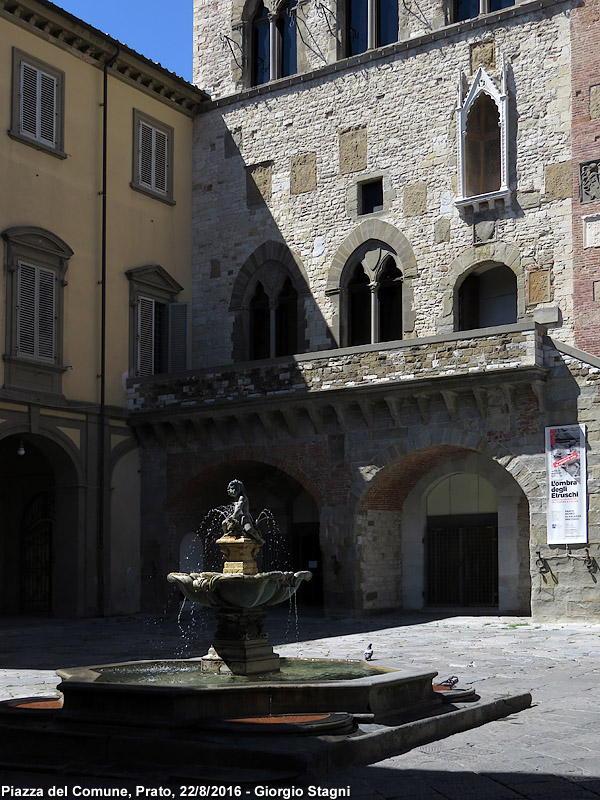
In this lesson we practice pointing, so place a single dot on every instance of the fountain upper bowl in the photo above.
(219, 590)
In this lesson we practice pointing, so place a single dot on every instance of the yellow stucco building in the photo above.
(95, 217)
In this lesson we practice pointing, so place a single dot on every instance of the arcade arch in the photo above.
(454, 527)
(40, 513)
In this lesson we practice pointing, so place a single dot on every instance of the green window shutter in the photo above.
(36, 324)
(178, 337)
(145, 336)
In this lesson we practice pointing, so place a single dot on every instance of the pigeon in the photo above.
(369, 653)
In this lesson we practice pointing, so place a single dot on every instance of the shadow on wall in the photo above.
(246, 276)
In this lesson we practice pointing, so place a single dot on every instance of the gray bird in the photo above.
(369, 653)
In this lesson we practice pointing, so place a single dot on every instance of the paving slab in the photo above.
(550, 750)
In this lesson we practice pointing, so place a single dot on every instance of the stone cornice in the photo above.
(62, 29)
(336, 390)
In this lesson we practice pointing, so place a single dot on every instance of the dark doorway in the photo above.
(462, 561)
(306, 553)
(40, 531)
(36, 542)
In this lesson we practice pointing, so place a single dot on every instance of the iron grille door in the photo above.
(36, 555)
(462, 561)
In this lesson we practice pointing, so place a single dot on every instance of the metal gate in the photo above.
(37, 530)
(462, 561)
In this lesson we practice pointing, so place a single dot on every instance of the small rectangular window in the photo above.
(38, 103)
(153, 157)
(370, 196)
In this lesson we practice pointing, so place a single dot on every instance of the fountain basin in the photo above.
(90, 693)
(235, 591)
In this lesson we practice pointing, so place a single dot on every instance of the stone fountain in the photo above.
(240, 594)
(240, 714)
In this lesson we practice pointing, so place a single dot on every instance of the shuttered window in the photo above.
(38, 104)
(162, 335)
(153, 155)
(36, 312)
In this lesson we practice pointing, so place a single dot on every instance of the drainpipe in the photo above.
(102, 412)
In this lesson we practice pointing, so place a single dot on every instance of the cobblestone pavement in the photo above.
(550, 752)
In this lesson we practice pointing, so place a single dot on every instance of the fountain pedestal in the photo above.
(240, 554)
(240, 645)
(239, 595)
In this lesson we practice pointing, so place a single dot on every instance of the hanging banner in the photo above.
(566, 473)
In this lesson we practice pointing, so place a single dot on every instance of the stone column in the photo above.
(273, 47)
(374, 313)
(272, 342)
(372, 24)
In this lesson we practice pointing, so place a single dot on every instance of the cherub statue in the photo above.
(240, 522)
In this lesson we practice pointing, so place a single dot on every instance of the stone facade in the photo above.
(350, 439)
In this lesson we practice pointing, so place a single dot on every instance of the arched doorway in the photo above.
(461, 543)
(38, 527)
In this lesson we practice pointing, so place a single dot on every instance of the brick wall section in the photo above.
(339, 370)
(585, 54)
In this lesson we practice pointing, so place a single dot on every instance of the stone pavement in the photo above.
(551, 751)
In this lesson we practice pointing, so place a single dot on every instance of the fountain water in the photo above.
(239, 594)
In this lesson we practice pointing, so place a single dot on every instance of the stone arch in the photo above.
(391, 500)
(497, 253)
(254, 454)
(271, 264)
(60, 440)
(514, 521)
(371, 236)
(47, 474)
(242, 11)
(436, 446)
(379, 231)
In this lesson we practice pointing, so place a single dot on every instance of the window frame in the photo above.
(153, 283)
(273, 23)
(373, 29)
(19, 57)
(140, 118)
(42, 251)
(482, 83)
(373, 257)
(485, 7)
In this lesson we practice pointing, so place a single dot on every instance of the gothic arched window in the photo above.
(359, 308)
(389, 295)
(286, 40)
(273, 44)
(286, 321)
(373, 299)
(482, 139)
(482, 147)
(260, 324)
